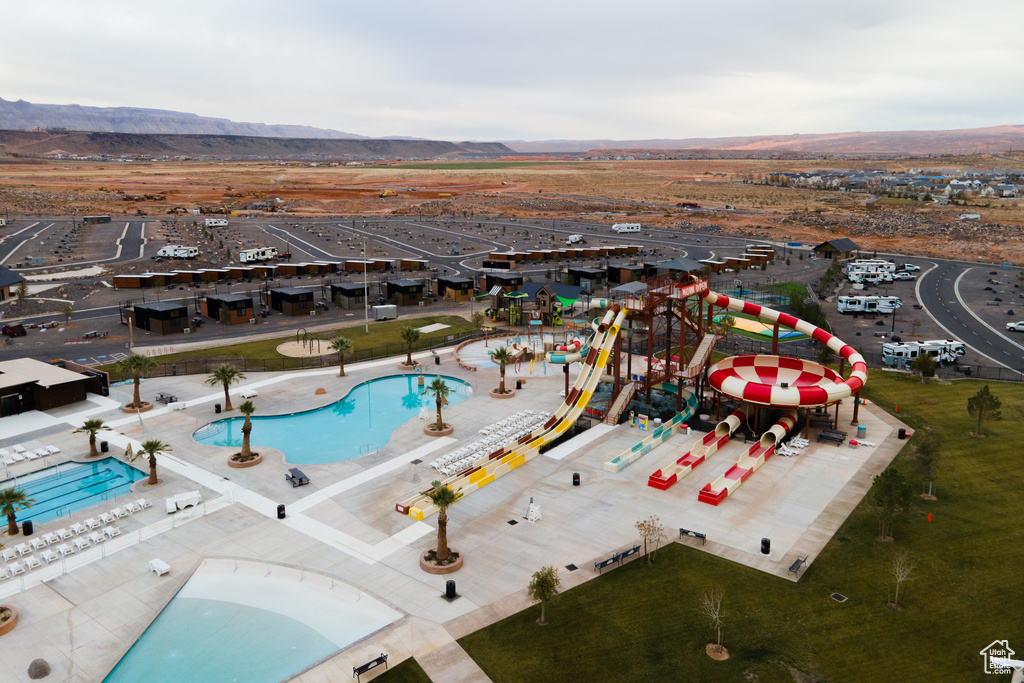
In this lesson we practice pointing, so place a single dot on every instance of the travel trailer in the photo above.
(216, 222)
(864, 265)
(627, 227)
(871, 277)
(178, 251)
(258, 254)
(869, 304)
(944, 351)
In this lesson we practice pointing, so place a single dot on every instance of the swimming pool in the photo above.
(358, 424)
(247, 621)
(73, 486)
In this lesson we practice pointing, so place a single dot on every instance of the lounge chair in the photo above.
(248, 393)
(62, 534)
(9, 460)
(91, 523)
(96, 537)
(52, 450)
(78, 528)
(143, 503)
(132, 507)
(9, 554)
(15, 568)
(111, 531)
(23, 549)
(29, 455)
(106, 518)
(50, 538)
(4, 453)
(37, 543)
(32, 563)
(18, 448)
(42, 452)
(121, 512)
(17, 457)
(159, 566)
(64, 549)
(49, 556)
(81, 542)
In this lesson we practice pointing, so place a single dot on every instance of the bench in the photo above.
(835, 432)
(358, 671)
(166, 398)
(296, 477)
(831, 438)
(617, 558)
(799, 562)
(248, 393)
(693, 534)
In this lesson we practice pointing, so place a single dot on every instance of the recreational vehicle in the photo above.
(869, 304)
(864, 265)
(944, 351)
(871, 277)
(178, 251)
(216, 222)
(626, 227)
(258, 254)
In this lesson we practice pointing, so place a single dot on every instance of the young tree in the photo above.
(247, 408)
(711, 607)
(902, 565)
(67, 310)
(342, 345)
(225, 375)
(138, 366)
(440, 390)
(410, 335)
(924, 365)
(502, 357)
(90, 427)
(893, 498)
(544, 586)
(825, 354)
(21, 293)
(443, 497)
(652, 531)
(984, 405)
(151, 448)
(926, 458)
(224, 316)
(477, 320)
(12, 500)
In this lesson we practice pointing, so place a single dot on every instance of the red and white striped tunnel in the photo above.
(759, 379)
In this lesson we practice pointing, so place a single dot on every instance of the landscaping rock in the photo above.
(39, 668)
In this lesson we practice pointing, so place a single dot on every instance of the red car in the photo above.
(14, 330)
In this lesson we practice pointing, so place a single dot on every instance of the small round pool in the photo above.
(360, 423)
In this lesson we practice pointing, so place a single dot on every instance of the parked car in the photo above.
(903, 275)
(910, 267)
(16, 330)
(1012, 327)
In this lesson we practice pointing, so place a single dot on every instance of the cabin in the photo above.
(590, 279)
(29, 384)
(161, 317)
(842, 248)
(454, 288)
(292, 300)
(9, 281)
(238, 306)
(350, 295)
(404, 292)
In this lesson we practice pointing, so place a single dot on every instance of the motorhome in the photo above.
(216, 222)
(3, 222)
(869, 304)
(627, 227)
(257, 254)
(901, 355)
(864, 265)
(575, 239)
(871, 277)
(178, 251)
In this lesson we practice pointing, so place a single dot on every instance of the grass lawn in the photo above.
(406, 671)
(642, 622)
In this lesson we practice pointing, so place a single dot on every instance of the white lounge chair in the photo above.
(17, 457)
(62, 534)
(29, 455)
(52, 450)
(132, 507)
(78, 528)
(15, 568)
(4, 453)
(64, 549)
(248, 393)
(9, 554)
(23, 549)
(37, 543)
(91, 523)
(159, 566)
(106, 518)
(49, 556)
(81, 543)
(111, 531)
(143, 503)
(50, 538)
(32, 563)
(18, 448)
(42, 452)
(96, 538)
(9, 460)
(121, 512)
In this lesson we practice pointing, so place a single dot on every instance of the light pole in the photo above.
(366, 291)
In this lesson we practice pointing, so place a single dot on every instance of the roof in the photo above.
(161, 306)
(455, 280)
(682, 264)
(505, 276)
(8, 277)
(228, 297)
(631, 288)
(588, 271)
(28, 371)
(357, 287)
(841, 244)
(406, 282)
(561, 291)
(291, 291)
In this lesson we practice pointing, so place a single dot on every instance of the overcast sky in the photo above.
(527, 70)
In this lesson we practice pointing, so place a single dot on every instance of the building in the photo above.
(454, 288)
(238, 306)
(404, 292)
(291, 300)
(677, 266)
(620, 275)
(9, 281)
(505, 282)
(842, 248)
(161, 317)
(28, 384)
(350, 295)
(590, 279)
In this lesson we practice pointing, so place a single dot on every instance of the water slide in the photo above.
(660, 435)
(751, 461)
(510, 456)
(701, 450)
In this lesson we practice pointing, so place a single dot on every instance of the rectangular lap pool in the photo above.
(73, 486)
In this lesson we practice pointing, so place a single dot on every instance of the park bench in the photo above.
(617, 558)
(835, 432)
(296, 477)
(358, 671)
(799, 562)
(831, 438)
(693, 534)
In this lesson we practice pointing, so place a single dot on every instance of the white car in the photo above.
(1015, 327)
(910, 267)
(903, 275)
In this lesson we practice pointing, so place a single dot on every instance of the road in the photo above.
(129, 246)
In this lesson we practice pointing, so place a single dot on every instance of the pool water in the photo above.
(358, 424)
(73, 486)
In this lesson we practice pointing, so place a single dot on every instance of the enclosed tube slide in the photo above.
(510, 456)
(751, 461)
(702, 449)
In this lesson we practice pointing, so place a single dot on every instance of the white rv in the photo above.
(216, 222)
(3, 222)
(944, 351)
(871, 277)
(178, 251)
(865, 265)
(258, 254)
(575, 239)
(869, 304)
(626, 227)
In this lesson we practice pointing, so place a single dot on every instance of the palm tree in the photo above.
(137, 366)
(342, 345)
(12, 500)
(247, 409)
(410, 335)
(502, 357)
(225, 375)
(90, 427)
(151, 448)
(440, 390)
(443, 497)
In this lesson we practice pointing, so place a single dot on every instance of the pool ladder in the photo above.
(368, 448)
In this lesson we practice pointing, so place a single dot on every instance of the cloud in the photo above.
(528, 70)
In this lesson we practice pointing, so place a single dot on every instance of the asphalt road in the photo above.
(17, 243)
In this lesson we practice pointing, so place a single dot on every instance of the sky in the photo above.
(529, 70)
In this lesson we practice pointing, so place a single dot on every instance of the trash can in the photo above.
(280, 511)
(519, 384)
(902, 434)
(26, 528)
(437, 360)
(853, 443)
(104, 447)
(449, 589)
(216, 407)
(766, 546)
(575, 478)
(862, 432)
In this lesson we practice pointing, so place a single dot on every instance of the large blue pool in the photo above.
(73, 486)
(358, 424)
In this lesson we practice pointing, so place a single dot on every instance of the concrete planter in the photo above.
(509, 393)
(9, 625)
(248, 463)
(430, 430)
(146, 405)
(431, 568)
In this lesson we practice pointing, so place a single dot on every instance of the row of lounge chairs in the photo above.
(50, 555)
(18, 453)
(792, 447)
(497, 434)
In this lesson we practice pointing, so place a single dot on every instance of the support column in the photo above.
(807, 423)
(616, 384)
(856, 409)
(775, 339)
(629, 353)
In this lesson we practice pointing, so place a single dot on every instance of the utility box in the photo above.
(387, 312)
